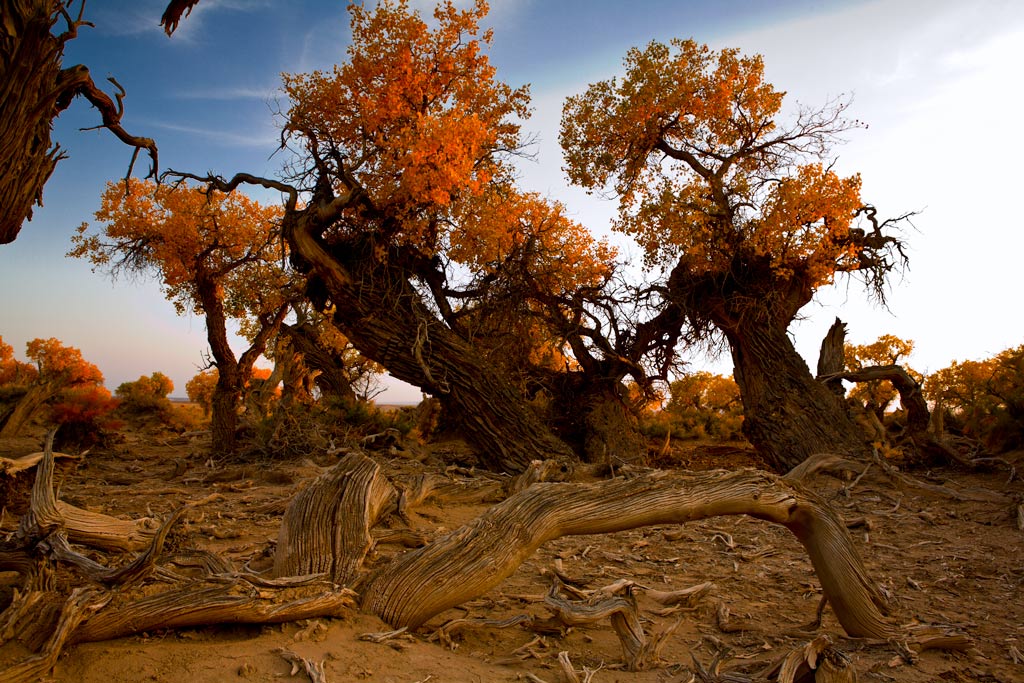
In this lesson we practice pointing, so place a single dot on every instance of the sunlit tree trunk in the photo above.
(30, 59)
(233, 372)
(34, 89)
(15, 419)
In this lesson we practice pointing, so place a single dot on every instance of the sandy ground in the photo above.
(943, 561)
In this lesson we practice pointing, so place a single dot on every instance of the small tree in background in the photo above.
(217, 255)
(982, 400)
(705, 405)
(146, 395)
(877, 396)
(200, 389)
(57, 368)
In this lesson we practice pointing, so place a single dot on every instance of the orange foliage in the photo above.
(703, 404)
(62, 365)
(184, 233)
(506, 226)
(689, 142)
(13, 371)
(416, 113)
(84, 405)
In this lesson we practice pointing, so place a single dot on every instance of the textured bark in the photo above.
(471, 560)
(95, 529)
(33, 399)
(788, 415)
(220, 602)
(383, 316)
(593, 415)
(30, 60)
(34, 89)
(832, 358)
(326, 527)
(233, 372)
(331, 379)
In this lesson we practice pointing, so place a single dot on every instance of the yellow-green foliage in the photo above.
(982, 399)
(701, 405)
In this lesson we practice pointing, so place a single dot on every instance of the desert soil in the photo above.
(944, 561)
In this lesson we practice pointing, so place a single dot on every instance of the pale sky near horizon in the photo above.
(937, 81)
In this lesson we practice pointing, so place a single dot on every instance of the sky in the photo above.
(936, 81)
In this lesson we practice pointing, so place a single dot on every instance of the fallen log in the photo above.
(469, 561)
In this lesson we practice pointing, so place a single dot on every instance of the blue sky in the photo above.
(937, 82)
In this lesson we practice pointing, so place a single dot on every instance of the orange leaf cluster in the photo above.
(415, 114)
(61, 364)
(506, 226)
(689, 142)
(183, 234)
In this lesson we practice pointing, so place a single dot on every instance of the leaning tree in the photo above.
(741, 212)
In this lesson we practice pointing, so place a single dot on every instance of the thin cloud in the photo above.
(228, 94)
(144, 17)
(222, 137)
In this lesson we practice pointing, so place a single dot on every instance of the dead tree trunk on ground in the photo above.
(325, 536)
(468, 562)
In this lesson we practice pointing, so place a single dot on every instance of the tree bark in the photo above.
(384, 317)
(326, 528)
(593, 414)
(469, 561)
(35, 396)
(33, 91)
(788, 415)
(331, 379)
(832, 358)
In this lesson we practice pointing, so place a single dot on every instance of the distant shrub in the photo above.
(147, 396)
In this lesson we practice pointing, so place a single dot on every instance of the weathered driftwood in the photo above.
(205, 602)
(469, 561)
(13, 466)
(326, 527)
(94, 529)
(326, 535)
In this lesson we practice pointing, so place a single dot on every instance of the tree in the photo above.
(57, 368)
(401, 151)
(200, 389)
(34, 90)
(703, 404)
(217, 255)
(877, 396)
(744, 216)
(146, 393)
(985, 398)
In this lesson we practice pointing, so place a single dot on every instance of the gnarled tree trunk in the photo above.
(471, 560)
(788, 415)
(383, 316)
(34, 89)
